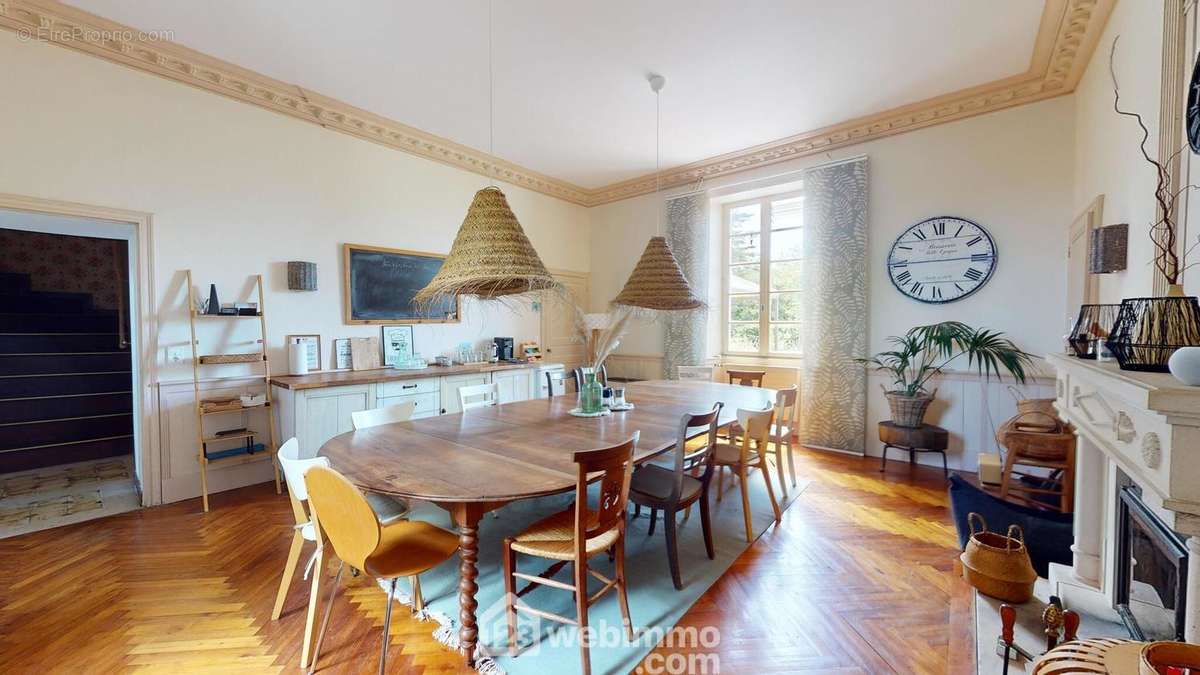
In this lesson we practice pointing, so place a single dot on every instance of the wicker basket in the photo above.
(1103, 656)
(998, 565)
(1157, 657)
(1036, 435)
(908, 411)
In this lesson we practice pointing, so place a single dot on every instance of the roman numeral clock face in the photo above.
(942, 260)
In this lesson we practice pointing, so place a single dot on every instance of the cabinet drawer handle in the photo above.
(408, 386)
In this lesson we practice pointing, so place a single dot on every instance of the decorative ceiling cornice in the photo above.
(1066, 39)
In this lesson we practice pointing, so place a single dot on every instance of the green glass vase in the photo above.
(591, 399)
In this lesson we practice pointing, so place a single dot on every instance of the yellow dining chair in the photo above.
(402, 548)
(573, 536)
(739, 457)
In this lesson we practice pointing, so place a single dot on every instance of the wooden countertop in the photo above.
(342, 378)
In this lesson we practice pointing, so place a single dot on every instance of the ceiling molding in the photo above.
(1066, 39)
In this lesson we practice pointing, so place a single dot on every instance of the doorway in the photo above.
(68, 376)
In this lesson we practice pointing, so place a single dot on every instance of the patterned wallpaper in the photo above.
(66, 263)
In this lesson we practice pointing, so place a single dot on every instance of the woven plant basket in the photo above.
(1158, 658)
(657, 282)
(998, 565)
(1036, 434)
(908, 411)
(491, 256)
(1102, 656)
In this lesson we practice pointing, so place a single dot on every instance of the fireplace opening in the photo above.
(1151, 570)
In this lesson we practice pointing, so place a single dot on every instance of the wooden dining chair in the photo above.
(401, 412)
(787, 405)
(700, 373)
(478, 396)
(670, 490)
(580, 374)
(740, 457)
(388, 552)
(386, 508)
(556, 383)
(574, 536)
(746, 378)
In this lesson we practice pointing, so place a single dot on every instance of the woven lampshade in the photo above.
(491, 256)
(657, 283)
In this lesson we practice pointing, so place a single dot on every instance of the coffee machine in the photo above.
(504, 348)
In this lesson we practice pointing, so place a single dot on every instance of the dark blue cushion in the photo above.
(1048, 535)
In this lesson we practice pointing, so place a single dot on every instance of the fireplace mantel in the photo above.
(1148, 425)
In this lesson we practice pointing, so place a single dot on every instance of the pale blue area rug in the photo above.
(547, 647)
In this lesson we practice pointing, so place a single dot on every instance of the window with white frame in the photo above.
(763, 240)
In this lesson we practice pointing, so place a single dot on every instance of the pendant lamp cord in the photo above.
(657, 160)
(491, 102)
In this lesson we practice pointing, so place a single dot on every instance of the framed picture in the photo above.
(397, 344)
(341, 354)
(313, 343)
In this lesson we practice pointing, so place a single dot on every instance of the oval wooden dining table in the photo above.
(474, 462)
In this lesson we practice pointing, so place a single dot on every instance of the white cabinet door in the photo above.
(427, 404)
(450, 387)
(513, 385)
(327, 413)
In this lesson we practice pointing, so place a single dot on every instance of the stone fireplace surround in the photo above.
(1146, 425)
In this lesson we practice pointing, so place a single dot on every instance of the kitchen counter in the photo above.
(348, 377)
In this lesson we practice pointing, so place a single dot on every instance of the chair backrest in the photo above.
(294, 467)
(556, 383)
(580, 374)
(401, 412)
(344, 515)
(787, 404)
(757, 424)
(704, 373)
(746, 378)
(615, 465)
(685, 460)
(478, 395)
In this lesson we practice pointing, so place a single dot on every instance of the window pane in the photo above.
(744, 219)
(786, 244)
(743, 337)
(785, 338)
(785, 276)
(787, 213)
(743, 279)
(743, 308)
(744, 249)
(785, 307)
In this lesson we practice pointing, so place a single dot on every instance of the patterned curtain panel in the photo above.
(834, 329)
(687, 232)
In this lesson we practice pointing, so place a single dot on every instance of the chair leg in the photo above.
(672, 547)
(621, 594)
(581, 607)
(706, 526)
(743, 472)
(314, 595)
(653, 522)
(387, 625)
(337, 578)
(762, 461)
(289, 571)
(417, 600)
(510, 595)
(1006, 478)
(791, 460)
(779, 468)
(637, 510)
(720, 482)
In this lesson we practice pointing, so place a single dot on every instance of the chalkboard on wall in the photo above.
(379, 284)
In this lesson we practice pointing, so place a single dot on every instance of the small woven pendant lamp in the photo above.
(491, 257)
(657, 283)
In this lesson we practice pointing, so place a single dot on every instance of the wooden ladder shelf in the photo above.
(206, 409)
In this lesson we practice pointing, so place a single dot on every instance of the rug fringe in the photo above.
(488, 666)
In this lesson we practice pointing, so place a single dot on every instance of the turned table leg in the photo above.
(466, 517)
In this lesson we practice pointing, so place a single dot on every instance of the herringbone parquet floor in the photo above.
(858, 579)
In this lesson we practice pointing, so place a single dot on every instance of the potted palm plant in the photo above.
(925, 351)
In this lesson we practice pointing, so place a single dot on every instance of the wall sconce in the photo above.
(302, 276)
(1108, 249)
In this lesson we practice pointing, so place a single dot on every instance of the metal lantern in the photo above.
(1095, 323)
(1149, 330)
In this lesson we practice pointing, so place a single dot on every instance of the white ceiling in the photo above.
(570, 91)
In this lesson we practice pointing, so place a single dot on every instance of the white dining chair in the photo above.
(401, 412)
(702, 373)
(556, 383)
(478, 396)
(388, 509)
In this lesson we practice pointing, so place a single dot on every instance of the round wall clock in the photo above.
(942, 259)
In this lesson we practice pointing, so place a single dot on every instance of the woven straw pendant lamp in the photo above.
(657, 283)
(491, 257)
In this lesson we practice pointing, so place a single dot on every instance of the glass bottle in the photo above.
(591, 399)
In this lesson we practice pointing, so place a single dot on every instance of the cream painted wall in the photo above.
(235, 190)
(1011, 171)
(1107, 159)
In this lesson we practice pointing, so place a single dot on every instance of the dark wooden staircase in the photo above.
(65, 380)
